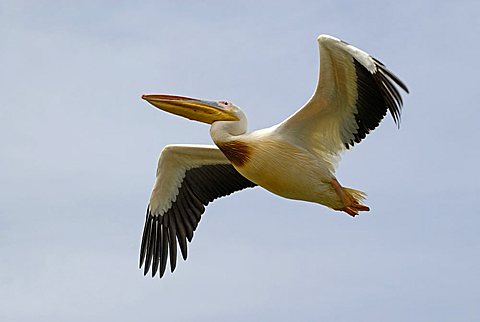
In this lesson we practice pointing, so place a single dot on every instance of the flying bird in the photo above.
(295, 159)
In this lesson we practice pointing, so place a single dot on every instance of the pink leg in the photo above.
(352, 206)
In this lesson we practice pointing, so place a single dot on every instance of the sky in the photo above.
(78, 151)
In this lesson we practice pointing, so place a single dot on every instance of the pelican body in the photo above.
(295, 159)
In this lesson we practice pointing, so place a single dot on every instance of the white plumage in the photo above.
(295, 159)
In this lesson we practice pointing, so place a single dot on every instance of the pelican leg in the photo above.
(352, 206)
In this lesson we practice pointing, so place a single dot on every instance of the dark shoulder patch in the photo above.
(237, 152)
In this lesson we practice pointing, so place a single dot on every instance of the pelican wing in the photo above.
(188, 178)
(353, 95)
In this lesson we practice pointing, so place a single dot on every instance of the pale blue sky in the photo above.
(79, 150)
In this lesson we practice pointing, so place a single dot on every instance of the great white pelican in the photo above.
(295, 159)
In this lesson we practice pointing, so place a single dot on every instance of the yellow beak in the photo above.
(191, 108)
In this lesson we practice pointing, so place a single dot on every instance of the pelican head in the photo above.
(194, 109)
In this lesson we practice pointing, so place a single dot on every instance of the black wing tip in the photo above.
(377, 94)
(377, 62)
(159, 239)
(145, 237)
(151, 248)
(162, 234)
(380, 66)
(386, 80)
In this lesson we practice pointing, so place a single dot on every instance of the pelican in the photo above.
(295, 159)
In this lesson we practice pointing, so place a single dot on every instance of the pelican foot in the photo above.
(352, 206)
(354, 209)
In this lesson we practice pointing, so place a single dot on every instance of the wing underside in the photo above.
(353, 95)
(188, 179)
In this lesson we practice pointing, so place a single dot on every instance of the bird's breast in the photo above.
(279, 167)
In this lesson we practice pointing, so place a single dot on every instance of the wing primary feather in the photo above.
(186, 224)
(388, 98)
(156, 246)
(164, 252)
(150, 243)
(172, 243)
(144, 237)
(392, 95)
(392, 88)
(147, 242)
(392, 76)
(181, 235)
(192, 217)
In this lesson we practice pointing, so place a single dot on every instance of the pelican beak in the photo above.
(191, 108)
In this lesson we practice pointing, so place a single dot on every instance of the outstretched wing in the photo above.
(353, 95)
(188, 178)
